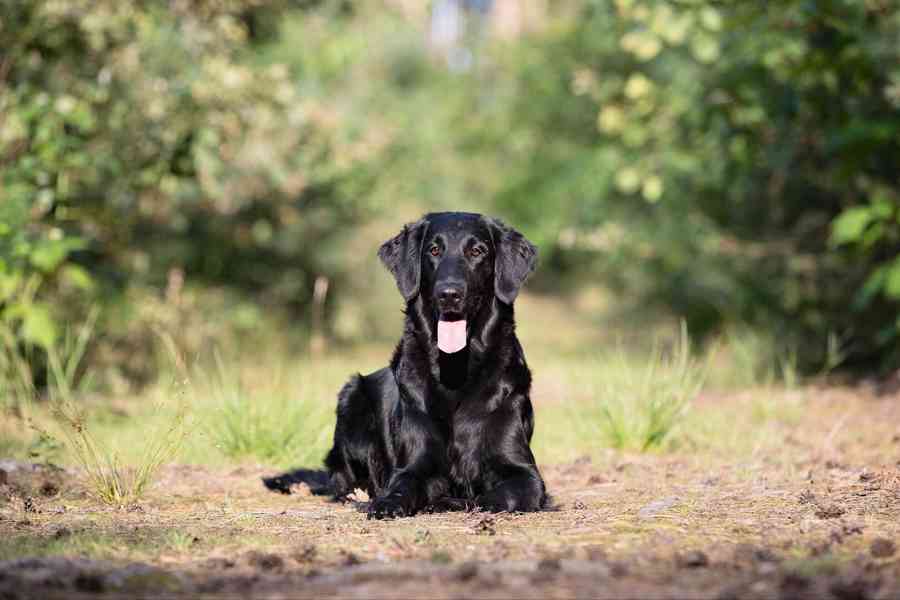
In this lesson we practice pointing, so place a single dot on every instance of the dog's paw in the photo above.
(502, 501)
(386, 508)
(448, 504)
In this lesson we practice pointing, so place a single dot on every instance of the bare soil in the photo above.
(816, 515)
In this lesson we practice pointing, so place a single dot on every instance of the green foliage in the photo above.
(140, 140)
(32, 261)
(732, 162)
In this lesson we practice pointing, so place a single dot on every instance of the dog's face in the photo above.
(456, 262)
(457, 265)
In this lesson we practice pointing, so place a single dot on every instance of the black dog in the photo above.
(449, 422)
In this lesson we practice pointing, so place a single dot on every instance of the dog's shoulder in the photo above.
(380, 379)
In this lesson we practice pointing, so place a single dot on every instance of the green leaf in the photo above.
(850, 224)
(887, 335)
(77, 277)
(892, 280)
(9, 285)
(873, 285)
(883, 206)
(38, 326)
(49, 254)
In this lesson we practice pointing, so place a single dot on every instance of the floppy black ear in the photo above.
(515, 259)
(402, 255)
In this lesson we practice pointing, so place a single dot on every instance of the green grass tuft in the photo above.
(638, 405)
(280, 421)
(109, 478)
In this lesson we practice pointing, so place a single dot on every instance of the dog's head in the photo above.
(456, 262)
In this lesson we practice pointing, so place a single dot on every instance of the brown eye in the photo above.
(435, 250)
(475, 252)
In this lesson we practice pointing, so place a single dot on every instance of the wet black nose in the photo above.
(449, 295)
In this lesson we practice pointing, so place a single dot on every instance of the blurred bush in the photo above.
(198, 165)
(144, 146)
(729, 162)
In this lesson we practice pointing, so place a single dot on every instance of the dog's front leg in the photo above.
(421, 473)
(521, 492)
(521, 487)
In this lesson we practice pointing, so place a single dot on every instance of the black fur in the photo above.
(436, 430)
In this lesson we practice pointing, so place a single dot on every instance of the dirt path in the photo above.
(792, 522)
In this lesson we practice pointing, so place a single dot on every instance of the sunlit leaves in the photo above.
(751, 148)
(850, 224)
(38, 327)
(138, 139)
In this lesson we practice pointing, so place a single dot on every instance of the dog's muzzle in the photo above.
(451, 329)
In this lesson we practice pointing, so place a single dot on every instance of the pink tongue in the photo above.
(451, 336)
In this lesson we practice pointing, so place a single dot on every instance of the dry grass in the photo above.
(809, 505)
(107, 477)
(802, 476)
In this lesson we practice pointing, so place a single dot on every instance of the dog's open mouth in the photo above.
(451, 335)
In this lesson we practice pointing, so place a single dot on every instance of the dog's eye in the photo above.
(476, 252)
(435, 250)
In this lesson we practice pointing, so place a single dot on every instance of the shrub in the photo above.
(142, 143)
(731, 162)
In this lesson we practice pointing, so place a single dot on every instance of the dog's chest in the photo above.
(466, 450)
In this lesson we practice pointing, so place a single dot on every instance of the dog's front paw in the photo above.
(500, 500)
(447, 504)
(387, 507)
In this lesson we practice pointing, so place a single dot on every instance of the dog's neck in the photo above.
(453, 369)
(487, 328)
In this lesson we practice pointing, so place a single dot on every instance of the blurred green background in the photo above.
(223, 170)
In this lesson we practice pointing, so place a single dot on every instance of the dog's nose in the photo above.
(449, 295)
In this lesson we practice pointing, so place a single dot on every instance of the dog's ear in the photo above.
(402, 255)
(515, 259)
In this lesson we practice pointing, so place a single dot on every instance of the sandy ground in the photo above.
(815, 516)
